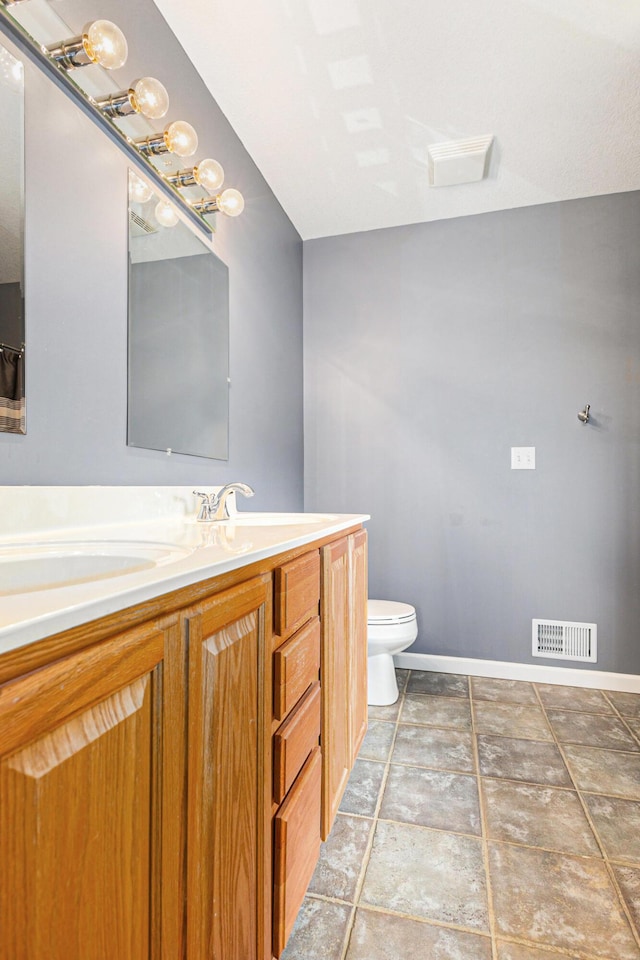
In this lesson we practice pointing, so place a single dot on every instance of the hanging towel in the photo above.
(12, 406)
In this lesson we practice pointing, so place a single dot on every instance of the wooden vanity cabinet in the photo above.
(164, 788)
(91, 803)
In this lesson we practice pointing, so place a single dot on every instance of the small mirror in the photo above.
(12, 333)
(178, 334)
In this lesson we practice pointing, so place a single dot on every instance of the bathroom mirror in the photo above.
(178, 333)
(12, 329)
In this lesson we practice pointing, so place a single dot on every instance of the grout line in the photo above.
(421, 766)
(312, 895)
(613, 880)
(427, 921)
(551, 950)
(624, 719)
(483, 828)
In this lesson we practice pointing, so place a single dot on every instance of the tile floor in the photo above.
(484, 820)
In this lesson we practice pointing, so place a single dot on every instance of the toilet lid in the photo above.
(389, 611)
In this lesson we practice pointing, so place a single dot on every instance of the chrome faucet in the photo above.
(214, 505)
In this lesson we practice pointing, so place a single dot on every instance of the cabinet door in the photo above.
(88, 760)
(335, 683)
(229, 776)
(358, 639)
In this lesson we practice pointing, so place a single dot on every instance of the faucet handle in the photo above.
(207, 504)
(206, 497)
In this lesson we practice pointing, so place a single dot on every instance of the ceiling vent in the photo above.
(565, 640)
(139, 226)
(458, 161)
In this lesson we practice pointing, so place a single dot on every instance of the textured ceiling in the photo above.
(337, 101)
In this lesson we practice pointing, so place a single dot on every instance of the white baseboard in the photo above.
(565, 676)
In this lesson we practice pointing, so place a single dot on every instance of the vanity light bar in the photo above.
(103, 43)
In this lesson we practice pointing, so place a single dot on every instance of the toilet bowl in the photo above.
(391, 628)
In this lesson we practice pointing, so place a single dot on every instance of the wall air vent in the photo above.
(564, 640)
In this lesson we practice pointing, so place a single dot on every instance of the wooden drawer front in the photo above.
(294, 741)
(296, 665)
(297, 848)
(297, 592)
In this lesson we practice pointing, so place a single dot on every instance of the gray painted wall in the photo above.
(76, 292)
(430, 350)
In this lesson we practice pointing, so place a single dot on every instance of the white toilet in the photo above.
(391, 628)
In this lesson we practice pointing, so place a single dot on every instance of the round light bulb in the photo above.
(139, 191)
(166, 214)
(231, 202)
(149, 98)
(181, 139)
(209, 174)
(104, 43)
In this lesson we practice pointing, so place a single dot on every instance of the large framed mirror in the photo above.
(12, 324)
(178, 333)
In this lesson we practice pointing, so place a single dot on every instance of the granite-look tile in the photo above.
(381, 936)
(438, 684)
(627, 703)
(566, 902)
(511, 720)
(436, 711)
(389, 712)
(434, 747)
(517, 951)
(377, 741)
(605, 771)
(319, 932)
(429, 874)
(430, 798)
(635, 726)
(538, 817)
(401, 678)
(629, 880)
(592, 730)
(532, 761)
(363, 788)
(573, 698)
(337, 871)
(505, 691)
(617, 823)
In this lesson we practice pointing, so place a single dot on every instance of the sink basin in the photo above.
(278, 519)
(43, 566)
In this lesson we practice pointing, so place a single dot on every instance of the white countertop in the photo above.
(205, 550)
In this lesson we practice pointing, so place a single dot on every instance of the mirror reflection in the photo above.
(12, 331)
(178, 333)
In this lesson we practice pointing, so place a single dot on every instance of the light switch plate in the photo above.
(523, 458)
